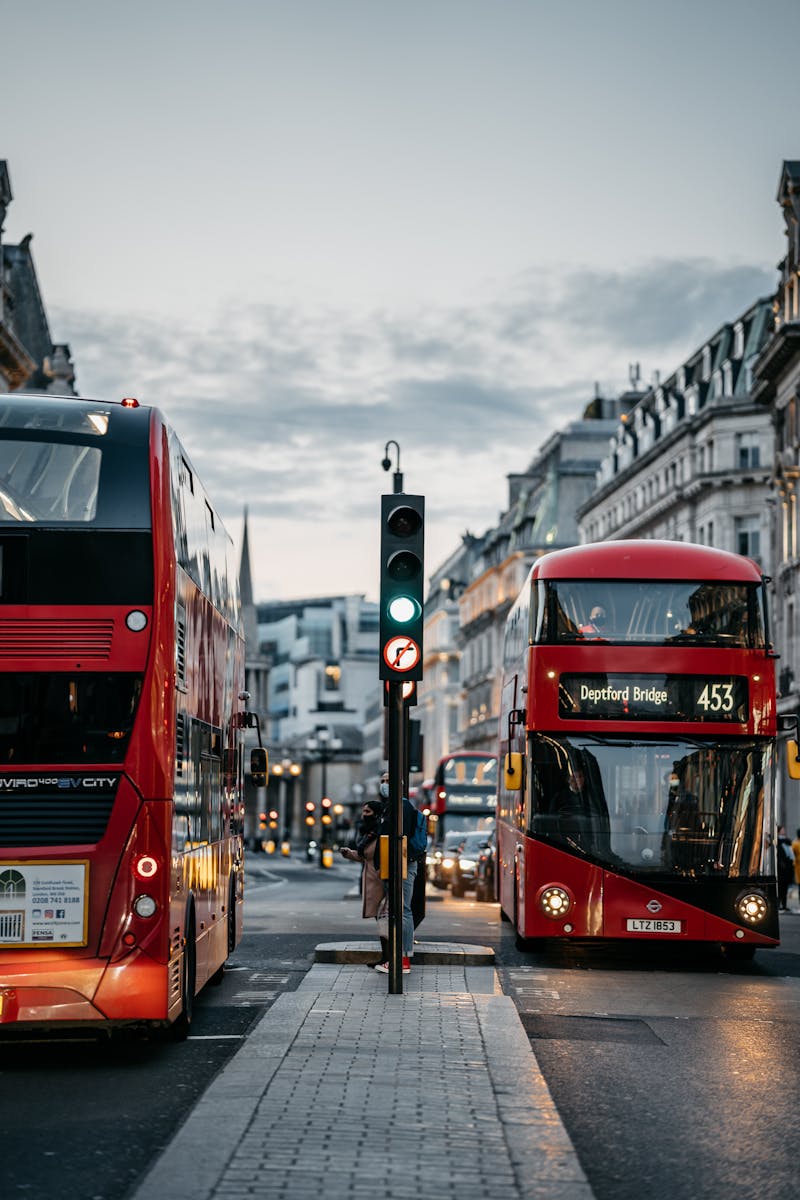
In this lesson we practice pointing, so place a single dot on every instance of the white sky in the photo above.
(304, 228)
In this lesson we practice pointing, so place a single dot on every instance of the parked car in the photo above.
(484, 872)
(442, 858)
(463, 875)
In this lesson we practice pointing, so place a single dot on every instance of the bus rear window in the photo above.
(657, 612)
(66, 718)
(48, 482)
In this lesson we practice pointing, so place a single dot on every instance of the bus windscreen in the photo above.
(651, 612)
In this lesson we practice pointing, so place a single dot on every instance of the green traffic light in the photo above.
(403, 609)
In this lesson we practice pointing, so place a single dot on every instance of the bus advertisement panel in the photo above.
(121, 715)
(636, 738)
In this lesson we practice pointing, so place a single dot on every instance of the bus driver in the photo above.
(595, 626)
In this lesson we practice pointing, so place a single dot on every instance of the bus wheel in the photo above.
(180, 1028)
(217, 977)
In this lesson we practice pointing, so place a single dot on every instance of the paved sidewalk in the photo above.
(342, 1090)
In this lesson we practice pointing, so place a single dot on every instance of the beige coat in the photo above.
(371, 883)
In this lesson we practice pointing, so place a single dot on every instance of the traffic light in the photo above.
(310, 810)
(402, 586)
(326, 811)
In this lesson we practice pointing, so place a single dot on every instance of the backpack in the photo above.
(418, 842)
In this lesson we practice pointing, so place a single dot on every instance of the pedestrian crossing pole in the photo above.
(397, 715)
(401, 622)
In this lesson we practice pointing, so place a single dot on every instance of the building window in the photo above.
(747, 535)
(747, 450)
(333, 674)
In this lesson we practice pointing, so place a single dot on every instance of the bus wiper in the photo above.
(607, 741)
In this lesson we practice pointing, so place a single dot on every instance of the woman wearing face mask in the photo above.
(372, 891)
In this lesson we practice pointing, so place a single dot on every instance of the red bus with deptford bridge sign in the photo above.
(637, 737)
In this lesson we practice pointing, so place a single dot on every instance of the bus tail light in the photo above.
(752, 907)
(145, 866)
(555, 902)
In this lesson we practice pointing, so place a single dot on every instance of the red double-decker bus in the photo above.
(637, 735)
(121, 709)
(463, 798)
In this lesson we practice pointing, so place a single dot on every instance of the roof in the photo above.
(645, 559)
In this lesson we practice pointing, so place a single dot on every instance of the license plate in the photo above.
(651, 925)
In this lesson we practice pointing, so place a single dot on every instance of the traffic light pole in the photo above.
(401, 627)
(396, 739)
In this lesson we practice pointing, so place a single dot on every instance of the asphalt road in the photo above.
(674, 1073)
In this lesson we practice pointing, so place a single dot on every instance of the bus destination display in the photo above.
(653, 697)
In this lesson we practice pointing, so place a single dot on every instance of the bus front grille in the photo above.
(53, 820)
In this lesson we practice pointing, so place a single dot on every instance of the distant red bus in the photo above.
(637, 735)
(121, 711)
(464, 794)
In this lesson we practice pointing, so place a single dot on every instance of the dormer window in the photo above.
(738, 340)
(706, 369)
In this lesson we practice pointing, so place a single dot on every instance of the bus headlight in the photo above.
(752, 907)
(144, 906)
(555, 902)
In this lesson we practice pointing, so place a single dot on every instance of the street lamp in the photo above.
(286, 771)
(323, 746)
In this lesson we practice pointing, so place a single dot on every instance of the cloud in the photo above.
(287, 409)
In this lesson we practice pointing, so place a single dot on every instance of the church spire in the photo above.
(245, 575)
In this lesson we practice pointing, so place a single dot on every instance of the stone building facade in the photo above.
(777, 387)
(691, 460)
(484, 577)
(29, 359)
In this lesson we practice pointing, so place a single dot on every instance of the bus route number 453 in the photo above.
(716, 697)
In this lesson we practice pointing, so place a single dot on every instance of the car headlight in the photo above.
(752, 907)
(447, 863)
(467, 864)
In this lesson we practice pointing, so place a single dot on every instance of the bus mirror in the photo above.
(792, 759)
(513, 771)
(258, 766)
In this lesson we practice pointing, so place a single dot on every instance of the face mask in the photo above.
(384, 790)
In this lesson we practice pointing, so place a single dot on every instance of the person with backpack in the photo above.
(415, 833)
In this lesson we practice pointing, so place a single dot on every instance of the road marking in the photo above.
(549, 993)
(216, 1037)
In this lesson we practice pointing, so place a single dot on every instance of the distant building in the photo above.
(29, 359)
(439, 692)
(691, 460)
(484, 577)
(323, 678)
